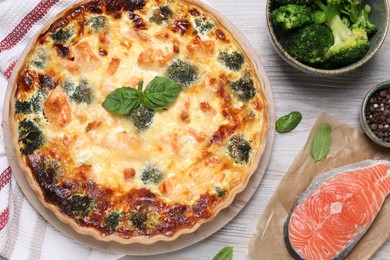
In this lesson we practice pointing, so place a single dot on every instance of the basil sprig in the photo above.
(161, 92)
(321, 142)
(226, 253)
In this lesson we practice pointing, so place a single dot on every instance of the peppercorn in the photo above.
(377, 114)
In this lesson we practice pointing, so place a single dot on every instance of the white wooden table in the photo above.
(293, 90)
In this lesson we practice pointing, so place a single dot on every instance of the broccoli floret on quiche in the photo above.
(142, 117)
(37, 101)
(232, 60)
(68, 87)
(40, 59)
(50, 172)
(139, 217)
(151, 175)
(83, 94)
(220, 191)
(243, 88)
(161, 14)
(182, 72)
(47, 171)
(239, 149)
(34, 104)
(62, 35)
(98, 22)
(112, 220)
(78, 206)
(23, 107)
(30, 136)
(203, 26)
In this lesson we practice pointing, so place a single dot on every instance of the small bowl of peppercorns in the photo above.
(375, 114)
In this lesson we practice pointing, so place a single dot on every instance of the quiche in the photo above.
(151, 173)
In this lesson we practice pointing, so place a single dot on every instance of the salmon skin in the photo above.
(336, 209)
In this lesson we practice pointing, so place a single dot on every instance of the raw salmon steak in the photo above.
(336, 210)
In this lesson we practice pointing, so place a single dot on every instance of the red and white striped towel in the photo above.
(24, 234)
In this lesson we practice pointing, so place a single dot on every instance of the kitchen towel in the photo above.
(24, 234)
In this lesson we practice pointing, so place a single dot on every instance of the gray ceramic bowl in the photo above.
(363, 119)
(379, 16)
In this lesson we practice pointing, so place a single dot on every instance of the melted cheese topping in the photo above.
(182, 140)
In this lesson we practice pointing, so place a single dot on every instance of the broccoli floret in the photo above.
(78, 206)
(288, 17)
(152, 175)
(203, 26)
(220, 191)
(23, 107)
(112, 220)
(233, 60)
(48, 173)
(346, 21)
(30, 136)
(79, 94)
(46, 170)
(161, 14)
(139, 217)
(37, 101)
(142, 117)
(35, 104)
(62, 35)
(40, 59)
(364, 22)
(359, 15)
(182, 72)
(319, 17)
(349, 45)
(309, 44)
(239, 149)
(329, 42)
(349, 50)
(68, 87)
(296, 2)
(243, 88)
(98, 22)
(83, 93)
(352, 8)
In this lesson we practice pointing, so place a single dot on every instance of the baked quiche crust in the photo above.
(154, 174)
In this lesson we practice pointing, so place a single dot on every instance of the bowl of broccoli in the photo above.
(327, 37)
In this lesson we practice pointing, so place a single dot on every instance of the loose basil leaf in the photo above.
(226, 253)
(160, 92)
(122, 100)
(321, 142)
(288, 122)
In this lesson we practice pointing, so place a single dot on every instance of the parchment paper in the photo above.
(347, 146)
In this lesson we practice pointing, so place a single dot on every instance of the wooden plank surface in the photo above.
(206, 229)
(341, 97)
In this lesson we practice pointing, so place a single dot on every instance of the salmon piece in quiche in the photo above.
(153, 57)
(57, 108)
(85, 59)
